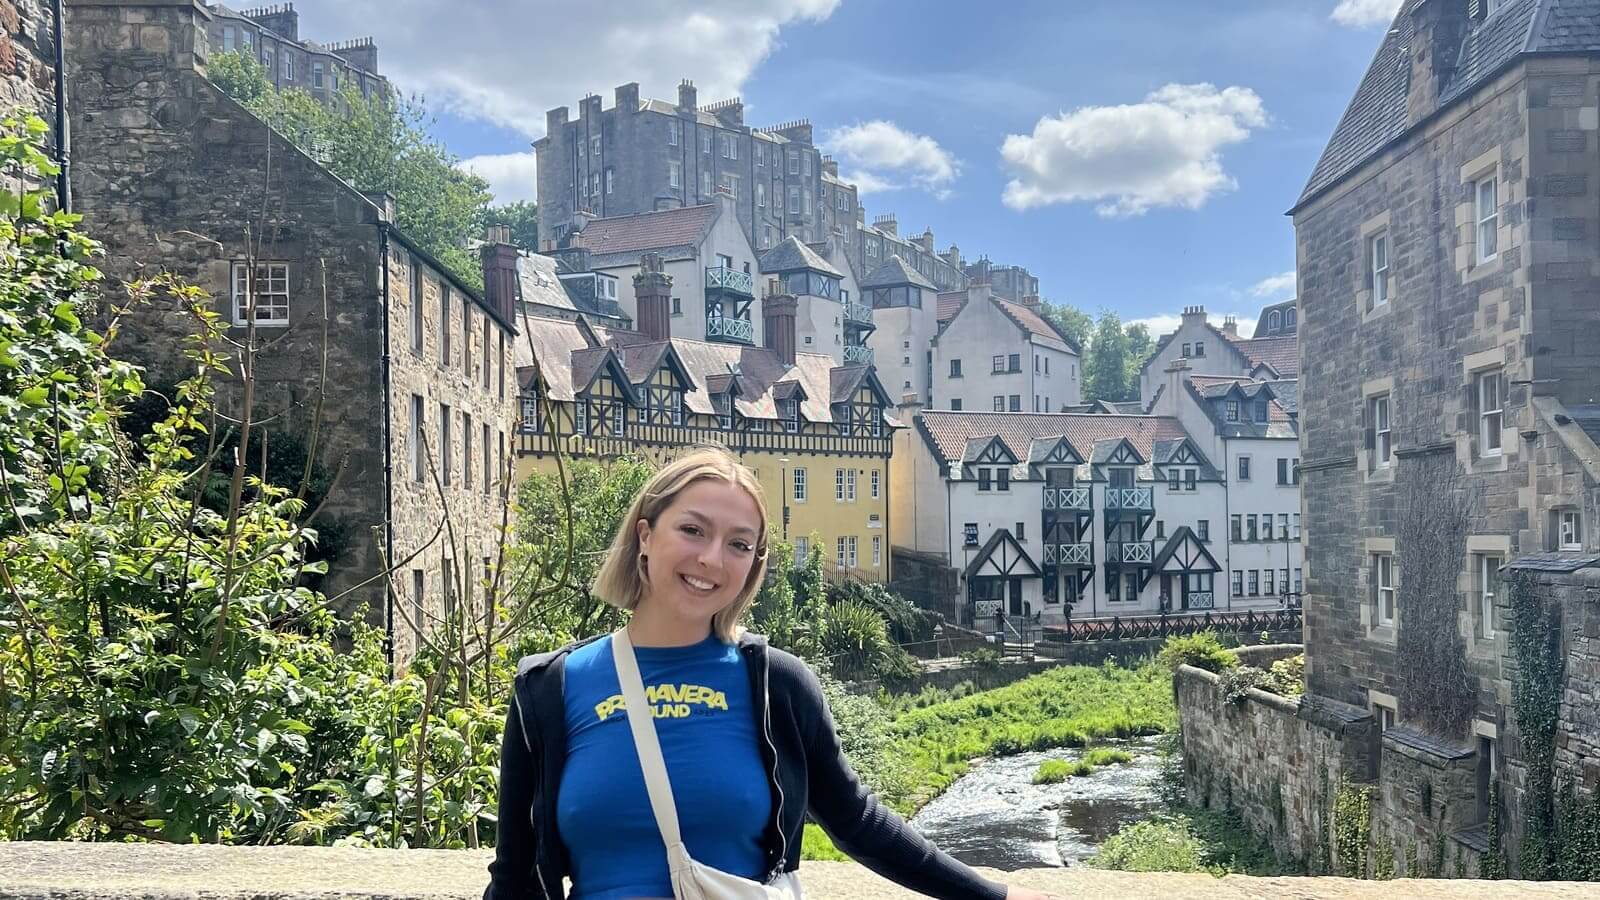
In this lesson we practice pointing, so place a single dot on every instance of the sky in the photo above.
(1136, 155)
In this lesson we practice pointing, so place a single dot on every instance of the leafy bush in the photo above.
(985, 659)
(907, 623)
(853, 639)
(1203, 651)
(1289, 676)
(1154, 845)
(866, 738)
(1237, 682)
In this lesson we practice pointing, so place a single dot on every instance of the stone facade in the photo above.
(172, 175)
(271, 34)
(27, 57)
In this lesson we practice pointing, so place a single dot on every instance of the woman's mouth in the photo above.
(698, 585)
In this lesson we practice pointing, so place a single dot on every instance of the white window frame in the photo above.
(799, 485)
(673, 129)
(839, 557)
(1487, 570)
(1486, 217)
(1382, 435)
(1569, 529)
(877, 551)
(850, 485)
(838, 485)
(674, 174)
(1378, 256)
(1491, 418)
(1383, 590)
(877, 484)
(272, 301)
(851, 545)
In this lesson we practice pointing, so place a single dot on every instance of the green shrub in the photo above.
(1289, 676)
(1154, 845)
(1203, 651)
(984, 658)
(853, 639)
(1055, 771)
(1237, 682)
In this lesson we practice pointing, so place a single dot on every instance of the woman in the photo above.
(749, 743)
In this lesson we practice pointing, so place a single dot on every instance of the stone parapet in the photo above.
(44, 871)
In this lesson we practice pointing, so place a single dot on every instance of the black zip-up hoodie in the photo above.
(806, 771)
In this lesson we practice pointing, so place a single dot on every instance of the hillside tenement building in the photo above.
(416, 412)
(1448, 256)
(271, 34)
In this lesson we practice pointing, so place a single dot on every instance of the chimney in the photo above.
(777, 321)
(280, 19)
(554, 120)
(384, 201)
(572, 254)
(1195, 315)
(1230, 326)
(688, 97)
(1437, 29)
(171, 32)
(926, 241)
(887, 223)
(652, 291)
(1177, 374)
(628, 97)
(501, 285)
(910, 405)
(1032, 302)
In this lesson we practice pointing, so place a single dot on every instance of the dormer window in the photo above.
(1231, 410)
(1274, 321)
(723, 405)
(1261, 410)
(789, 411)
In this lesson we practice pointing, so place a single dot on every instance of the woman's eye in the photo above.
(742, 546)
(690, 529)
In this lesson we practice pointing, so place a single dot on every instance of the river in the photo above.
(995, 816)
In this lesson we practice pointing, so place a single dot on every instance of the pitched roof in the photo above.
(894, 271)
(790, 255)
(1281, 352)
(1035, 324)
(950, 303)
(666, 229)
(1377, 112)
(1279, 424)
(1262, 328)
(947, 432)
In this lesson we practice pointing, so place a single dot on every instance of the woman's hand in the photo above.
(1021, 893)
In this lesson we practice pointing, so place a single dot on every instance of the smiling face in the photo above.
(700, 551)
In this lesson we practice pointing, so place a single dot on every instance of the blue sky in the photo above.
(1135, 155)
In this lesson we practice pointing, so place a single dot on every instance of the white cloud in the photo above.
(1167, 324)
(511, 176)
(883, 156)
(1278, 287)
(1361, 13)
(1164, 151)
(507, 63)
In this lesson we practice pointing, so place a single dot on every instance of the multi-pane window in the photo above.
(876, 483)
(1202, 529)
(673, 127)
(1231, 410)
(1014, 362)
(850, 545)
(1382, 437)
(270, 288)
(1244, 468)
(1295, 535)
(1255, 582)
(799, 486)
(877, 550)
(1199, 349)
(840, 557)
(850, 485)
(529, 418)
(1487, 575)
(611, 180)
(1488, 218)
(1014, 402)
(444, 443)
(1188, 475)
(1261, 410)
(802, 546)
(955, 368)
(1383, 588)
(316, 75)
(1250, 527)
(838, 485)
(1236, 527)
(1237, 583)
(999, 403)
(594, 145)
(1569, 530)
(1490, 413)
(580, 417)
(794, 201)
(999, 363)
(674, 174)
(1268, 588)
(1283, 526)
(466, 449)
(1174, 480)
(1378, 254)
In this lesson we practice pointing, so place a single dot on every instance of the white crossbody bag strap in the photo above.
(644, 738)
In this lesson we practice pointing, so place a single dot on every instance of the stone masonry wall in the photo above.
(27, 57)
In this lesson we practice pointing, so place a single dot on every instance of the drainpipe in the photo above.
(63, 137)
(388, 450)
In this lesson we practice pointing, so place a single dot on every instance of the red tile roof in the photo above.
(1282, 352)
(950, 431)
(950, 304)
(649, 231)
(1032, 321)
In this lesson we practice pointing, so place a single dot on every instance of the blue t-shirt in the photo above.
(701, 701)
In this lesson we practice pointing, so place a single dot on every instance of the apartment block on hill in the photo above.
(271, 35)
(402, 372)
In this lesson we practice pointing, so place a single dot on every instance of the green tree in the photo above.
(1076, 323)
(1140, 347)
(523, 218)
(379, 143)
(1106, 369)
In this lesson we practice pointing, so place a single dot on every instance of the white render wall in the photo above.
(689, 278)
(975, 336)
(1220, 358)
(1262, 495)
(904, 333)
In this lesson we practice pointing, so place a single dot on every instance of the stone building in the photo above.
(403, 372)
(641, 155)
(814, 432)
(991, 353)
(1013, 283)
(1448, 255)
(27, 57)
(271, 34)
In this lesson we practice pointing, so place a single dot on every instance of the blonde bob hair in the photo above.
(622, 580)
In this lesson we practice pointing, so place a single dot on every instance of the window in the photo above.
(730, 147)
(1297, 573)
(1378, 257)
(1161, 528)
(316, 75)
(228, 39)
(1488, 219)
(794, 164)
(850, 545)
(838, 485)
(288, 67)
(794, 201)
(839, 558)
(877, 550)
(488, 363)
(673, 130)
(1283, 526)
(444, 325)
(999, 403)
(969, 534)
(1002, 479)
(1244, 468)
(802, 550)
(419, 456)
(1231, 409)
(580, 417)
(705, 183)
(761, 153)
(594, 146)
(487, 472)
(1387, 718)
(850, 485)
(466, 338)
(985, 479)
(1238, 583)
(1199, 349)
(955, 368)
(466, 450)
(529, 419)
(761, 193)
(877, 479)
(1569, 530)
(1189, 479)
(1490, 413)
(1173, 480)
(1486, 572)
(1383, 588)
(1014, 362)
(999, 364)
(1254, 577)
(1187, 350)
(418, 580)
(1261, 410)
(1236, 527)
(1020, 532)
(1267, 585)
(955, 404)
(1295, 534)
(611, 180)
(1015, 403)
(1250, 527)
(674, 174)
(444, 443)
(799, 485)
(1202, 529)
(500, 366)
(1382, 440)
(270, 287)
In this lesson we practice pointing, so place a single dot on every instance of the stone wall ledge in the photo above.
(68, 871)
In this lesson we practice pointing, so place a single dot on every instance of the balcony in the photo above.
(857, 314)
(1130, 552)
(1067, 499)
(722, 278)
(857, 355)
(1201, 600)
(1130, 499)
(1069, 554)
(724, 328)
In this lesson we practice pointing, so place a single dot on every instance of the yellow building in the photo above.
(815, 433)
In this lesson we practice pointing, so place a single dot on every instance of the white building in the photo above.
(993, 354)
(1221, 351)
(904, 309)
(831, 316)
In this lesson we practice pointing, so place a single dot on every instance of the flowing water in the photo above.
(995, 816)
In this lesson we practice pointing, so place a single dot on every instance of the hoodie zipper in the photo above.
(766, 732)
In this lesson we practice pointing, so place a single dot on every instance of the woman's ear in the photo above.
(641, 530)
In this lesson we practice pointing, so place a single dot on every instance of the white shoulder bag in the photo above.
(690, 880)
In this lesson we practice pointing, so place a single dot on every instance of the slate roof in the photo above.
(539, 283)
(1553, 562)
(1261, 321)
(1281, 352)
(947, 432)
(894, 271)
(791, 255)
(1163, 450)
(1377, 112)
(1427, 743)
(1209, 388)
(672, 232)
(1179, 535)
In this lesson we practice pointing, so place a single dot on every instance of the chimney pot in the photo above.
(778, 314)
(652, 288)
(501, 286)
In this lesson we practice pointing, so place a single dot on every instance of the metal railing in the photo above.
(857, 355)
(1069, 554)
(724, 278)
(730, 329)
(1067, 498)
(1130, 552)
(856, 312)
(1250, 622)
(1137, 499)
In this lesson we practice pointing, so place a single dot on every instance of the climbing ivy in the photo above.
(1436, 514)
(1578, 825)
(1352, 829)
(1383, 856)
(1536, 696)
(1492, 865)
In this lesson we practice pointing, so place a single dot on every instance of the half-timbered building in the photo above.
(815, 433)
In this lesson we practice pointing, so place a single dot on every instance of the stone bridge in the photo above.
(44, 871)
